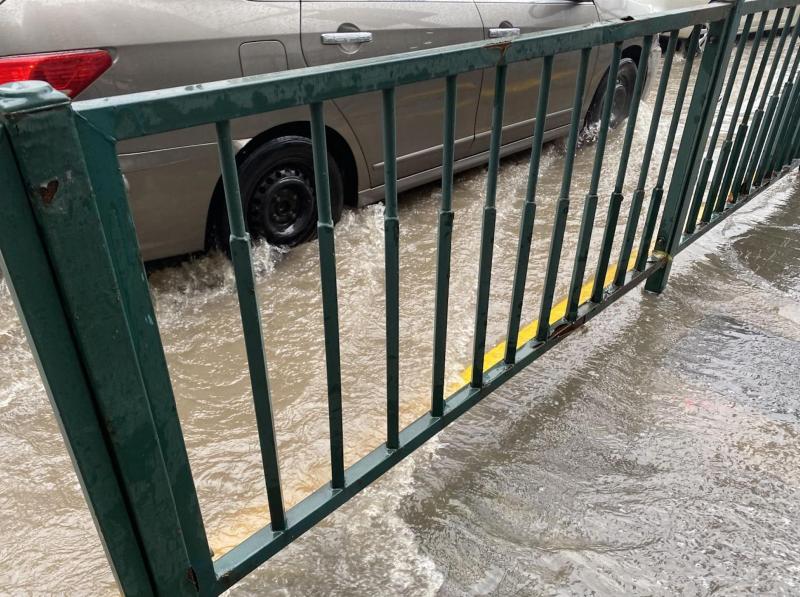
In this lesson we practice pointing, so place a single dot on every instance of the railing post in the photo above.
(24, 264)
(100, 151)
(708, 86)
(83, 283)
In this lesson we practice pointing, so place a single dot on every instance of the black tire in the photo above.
(663, 42)
(278, 191)
(623, 95)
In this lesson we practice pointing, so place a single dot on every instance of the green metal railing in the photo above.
(70, 255)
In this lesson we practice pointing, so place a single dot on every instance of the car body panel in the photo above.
(173, 177)
(399, 26)
(262, 57)
(522, 85)
(175, 43)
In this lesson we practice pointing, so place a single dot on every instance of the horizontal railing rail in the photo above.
(152, 112)
(101, 354)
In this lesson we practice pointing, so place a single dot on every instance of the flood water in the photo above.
(655, 452)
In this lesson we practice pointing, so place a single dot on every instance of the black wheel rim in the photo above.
(282, 208)
(702, 39)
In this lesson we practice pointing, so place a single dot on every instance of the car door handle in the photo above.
(346, 37)
(504, 32)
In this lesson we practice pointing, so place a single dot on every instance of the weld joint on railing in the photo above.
(661, 256)
(597, 299)
(240, 239)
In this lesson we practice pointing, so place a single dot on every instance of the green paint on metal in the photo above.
(148, 113)
(101, 158)
(562, 207)
(444, 241)
(528, 214)
(784, 84)
(64, 206)
(635, 209)
(658, 189)
(705, 170)
(251, 325)
(705, 96)
(391, 228)
(782, 148)
(330, 302)
(590, 203)
(638, 194)
(25, 266)
(723, 174)
(487, 229)
(772, 104)
(741, 157)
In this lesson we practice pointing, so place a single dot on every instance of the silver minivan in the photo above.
(98, 48)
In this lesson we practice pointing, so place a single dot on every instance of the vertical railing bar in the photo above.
(638, 194)
(783, 144)
(794, 145)
(487, 229)
(785, 153)
(251, 324)
(767, 115)
(794, 134)
(590, 202)
(679, 100)
(781, 57)
(330, 304)
(614, 206)
(391, 229)
(528, 213)
(778, 150)
(635, 209)
(723, 176)
(562, 207)
(705, 97)
(705, 171)
(742, 156)
(443, 248)
(786, 124)
(658, 191)
(783, 86)
(794, 148)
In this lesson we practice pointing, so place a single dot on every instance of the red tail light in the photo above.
(69, 72)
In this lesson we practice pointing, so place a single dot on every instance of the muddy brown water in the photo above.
(655, 452)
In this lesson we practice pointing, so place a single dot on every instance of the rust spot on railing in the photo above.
(48, 191)
(502, 46)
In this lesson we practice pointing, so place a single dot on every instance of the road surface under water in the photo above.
(655, 452)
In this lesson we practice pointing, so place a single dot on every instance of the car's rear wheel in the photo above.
(279, 192)
(623, 95)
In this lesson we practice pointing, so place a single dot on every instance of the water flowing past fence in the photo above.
(70, 255)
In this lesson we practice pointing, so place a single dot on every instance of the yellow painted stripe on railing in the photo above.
(528, 332)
